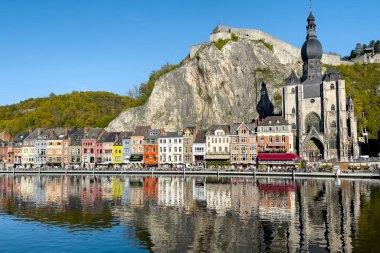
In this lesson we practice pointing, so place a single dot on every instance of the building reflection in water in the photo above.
(197, 213)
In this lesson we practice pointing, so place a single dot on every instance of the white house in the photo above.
(170, 148)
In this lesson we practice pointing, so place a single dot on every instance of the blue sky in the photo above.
(110, 45)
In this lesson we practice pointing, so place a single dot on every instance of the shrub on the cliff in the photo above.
(268, 45)
(234, 37)
(221, 43)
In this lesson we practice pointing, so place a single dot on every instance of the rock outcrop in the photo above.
(216, 86)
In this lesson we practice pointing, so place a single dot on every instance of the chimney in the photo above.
(86, 130)
(39, 132)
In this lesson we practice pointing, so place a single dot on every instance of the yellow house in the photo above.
(117, 150)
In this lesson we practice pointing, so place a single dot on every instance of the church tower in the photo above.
(317, 107)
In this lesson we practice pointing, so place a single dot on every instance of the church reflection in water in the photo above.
(198, 213)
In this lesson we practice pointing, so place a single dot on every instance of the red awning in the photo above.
(277, 188)
(278, 157)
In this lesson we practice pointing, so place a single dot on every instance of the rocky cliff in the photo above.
(215, 86)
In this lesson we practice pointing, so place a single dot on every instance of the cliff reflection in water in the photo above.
(204, 214)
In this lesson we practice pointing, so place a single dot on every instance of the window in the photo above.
(293, 110)
(313, 121)
(333, 142)
(333, 108)
(333, 124)
(332, 86)
(270, 139)
(283, 138)
(293, 126)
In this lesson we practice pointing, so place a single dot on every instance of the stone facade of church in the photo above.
(318, 108)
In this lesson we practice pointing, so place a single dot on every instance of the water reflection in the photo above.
(204, 214)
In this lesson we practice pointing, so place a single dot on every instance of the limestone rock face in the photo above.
(216, 86)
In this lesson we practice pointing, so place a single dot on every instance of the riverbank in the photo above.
(375, 175)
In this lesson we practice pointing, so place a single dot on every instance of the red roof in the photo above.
(278, 157)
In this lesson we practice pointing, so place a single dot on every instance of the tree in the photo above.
(133, 92)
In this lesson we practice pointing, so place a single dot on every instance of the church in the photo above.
(317, 107)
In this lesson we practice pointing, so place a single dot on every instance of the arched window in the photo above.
(333, 124)
(294, 126)
(332, 86)
(333, 108)
(313, 120)
(333, 142)
(294, 110)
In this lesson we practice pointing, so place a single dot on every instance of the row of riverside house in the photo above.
(237, 144)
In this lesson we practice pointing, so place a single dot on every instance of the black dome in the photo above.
(311, 49)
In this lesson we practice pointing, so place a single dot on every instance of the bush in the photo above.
(221, 43)
(234, 37)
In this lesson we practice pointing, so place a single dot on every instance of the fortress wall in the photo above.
(286, 53)
(363, 59)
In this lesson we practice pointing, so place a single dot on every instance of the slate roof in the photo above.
(331, 75)
(3, 143)
(273, 121)
(201, 136)
(235, 127)
(126, 135)
(211, 130)
(172, 135)
(141, 130)
(76, 135)
(153, 134)
(92, 133)
(109, 137)
(20, 137)
(292, 79)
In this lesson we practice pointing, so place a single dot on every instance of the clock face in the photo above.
(312, 100)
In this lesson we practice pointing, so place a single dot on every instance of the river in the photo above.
(191, 214)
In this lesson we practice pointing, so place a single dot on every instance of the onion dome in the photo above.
(312, 48)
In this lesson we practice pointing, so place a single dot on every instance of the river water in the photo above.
(192, 214)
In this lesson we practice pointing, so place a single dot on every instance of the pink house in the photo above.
(89, 145)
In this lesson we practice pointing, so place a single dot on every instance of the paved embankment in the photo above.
(195, 173)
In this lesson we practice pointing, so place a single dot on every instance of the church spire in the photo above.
(264, 107)
(311, 52)
(311, 26)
